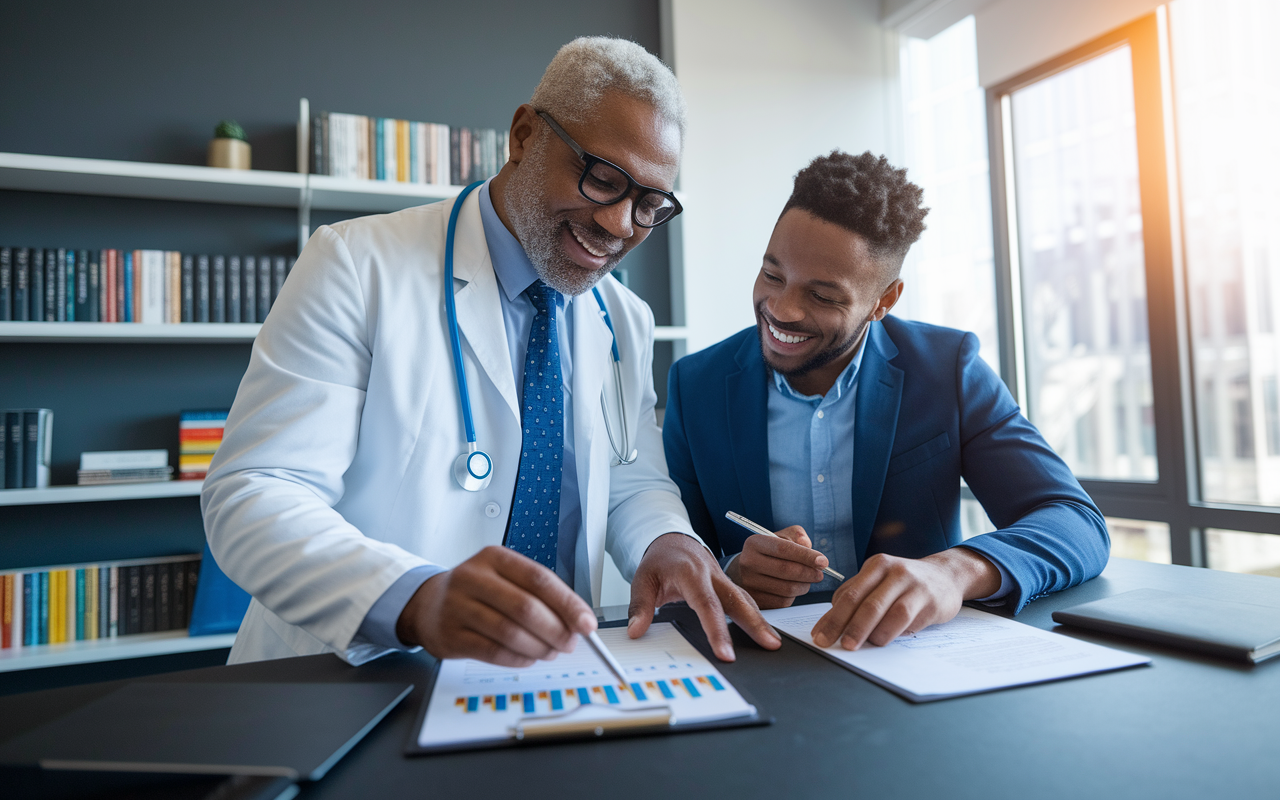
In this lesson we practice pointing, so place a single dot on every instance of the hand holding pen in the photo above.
(776, 568)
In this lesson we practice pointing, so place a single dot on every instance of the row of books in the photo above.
(199, 434)
(96, 601)
(107, 467)
(377, 148)
(149, 286)
(26, 447)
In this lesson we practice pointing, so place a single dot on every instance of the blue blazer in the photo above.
(929, 412)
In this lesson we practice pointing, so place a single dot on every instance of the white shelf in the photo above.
(136, 646)
(94, 494)
(349, 194)
(154, 181)
(186, 332)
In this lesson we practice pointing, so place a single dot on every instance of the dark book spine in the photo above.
(455, 157)
(70, 273)
(132, 616)
(188, 288)
(218, 290)
(178, 619)
(250, 295)
(30, 448)
(80, 605)
(43, 602)
(13, 450)
(81, 310)
(126, 302)
(50, 285)
(264, 287)
(316, 156)
(233, 289)
(164, 596)
(21, 284)
(95, 286)
(326, 154)
(148, 600)
(202, 288)
(37, 284)
(4, 451)
(193, 577)
(277, 277)
(6, 284)
(30, 628)
(60, 278)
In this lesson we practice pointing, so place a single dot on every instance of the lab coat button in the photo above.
(492, 510)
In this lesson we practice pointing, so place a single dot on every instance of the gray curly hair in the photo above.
(589, 66)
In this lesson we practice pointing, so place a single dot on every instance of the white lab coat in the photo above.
(334, 476)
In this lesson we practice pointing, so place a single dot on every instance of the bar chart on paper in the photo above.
(475, 702)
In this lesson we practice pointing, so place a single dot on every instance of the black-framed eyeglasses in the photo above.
(605, 183)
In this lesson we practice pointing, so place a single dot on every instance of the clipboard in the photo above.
(589, 721)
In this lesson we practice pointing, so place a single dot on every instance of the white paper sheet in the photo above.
(474, 702)
(975, 652)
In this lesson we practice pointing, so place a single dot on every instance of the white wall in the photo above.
(769, 86)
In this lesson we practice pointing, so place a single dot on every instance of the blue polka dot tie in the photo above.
(535, 514)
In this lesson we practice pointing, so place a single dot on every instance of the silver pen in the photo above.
(734, 516)
(594, 640)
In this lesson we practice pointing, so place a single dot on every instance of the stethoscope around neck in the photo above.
(474, 469)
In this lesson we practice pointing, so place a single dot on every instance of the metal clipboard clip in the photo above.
(601, 720)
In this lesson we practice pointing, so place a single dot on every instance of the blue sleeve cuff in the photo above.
(379, 626)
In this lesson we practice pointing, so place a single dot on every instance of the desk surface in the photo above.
(1187, 726)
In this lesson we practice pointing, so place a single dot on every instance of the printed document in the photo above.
(474, 702)
(975, 652)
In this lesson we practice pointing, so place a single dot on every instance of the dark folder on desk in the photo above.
(1239, 631)
(292, 730)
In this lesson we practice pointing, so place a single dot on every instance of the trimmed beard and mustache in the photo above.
(817, 360)
(539, 230)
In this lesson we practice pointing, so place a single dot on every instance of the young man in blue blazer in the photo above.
(848, 431)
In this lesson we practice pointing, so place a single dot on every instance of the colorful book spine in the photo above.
(57, 605)
(199, 435)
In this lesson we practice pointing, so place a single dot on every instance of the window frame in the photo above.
(1175, 497)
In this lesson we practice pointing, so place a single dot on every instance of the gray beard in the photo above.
(539, 231)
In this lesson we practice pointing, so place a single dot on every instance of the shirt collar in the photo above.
(848, 376)
(511, 264)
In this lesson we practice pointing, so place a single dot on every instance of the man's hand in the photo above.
(775, 572)
(497, 606)
(677, 567)
(890, 595)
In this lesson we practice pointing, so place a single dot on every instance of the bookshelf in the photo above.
(95, 494)
(139, 645)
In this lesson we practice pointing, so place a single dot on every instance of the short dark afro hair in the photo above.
(866, 195)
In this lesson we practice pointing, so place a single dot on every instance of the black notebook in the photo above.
(1239, 631)
(290, 730)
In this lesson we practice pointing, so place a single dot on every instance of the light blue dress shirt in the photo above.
(811, 469)
(515, 274)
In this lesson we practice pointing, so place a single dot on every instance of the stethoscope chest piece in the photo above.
(473, 470)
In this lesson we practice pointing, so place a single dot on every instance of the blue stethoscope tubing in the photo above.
(474, 469)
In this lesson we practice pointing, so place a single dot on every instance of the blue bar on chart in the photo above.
(528, 703)
(715, 682)
(500, 703)
(557, 704)
(688, 685)
(473, 703)
(638, 692)
(611, 695)
(583, 697)
(666, 690)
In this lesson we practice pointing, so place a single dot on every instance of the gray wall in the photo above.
(147, 81)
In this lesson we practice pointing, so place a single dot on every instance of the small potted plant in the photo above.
(229, 149)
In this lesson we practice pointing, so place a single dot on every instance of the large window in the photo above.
(1136, 187)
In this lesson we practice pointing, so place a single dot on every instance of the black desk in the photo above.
(1186, 727)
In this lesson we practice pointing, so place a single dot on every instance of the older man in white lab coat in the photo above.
(333, 499)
